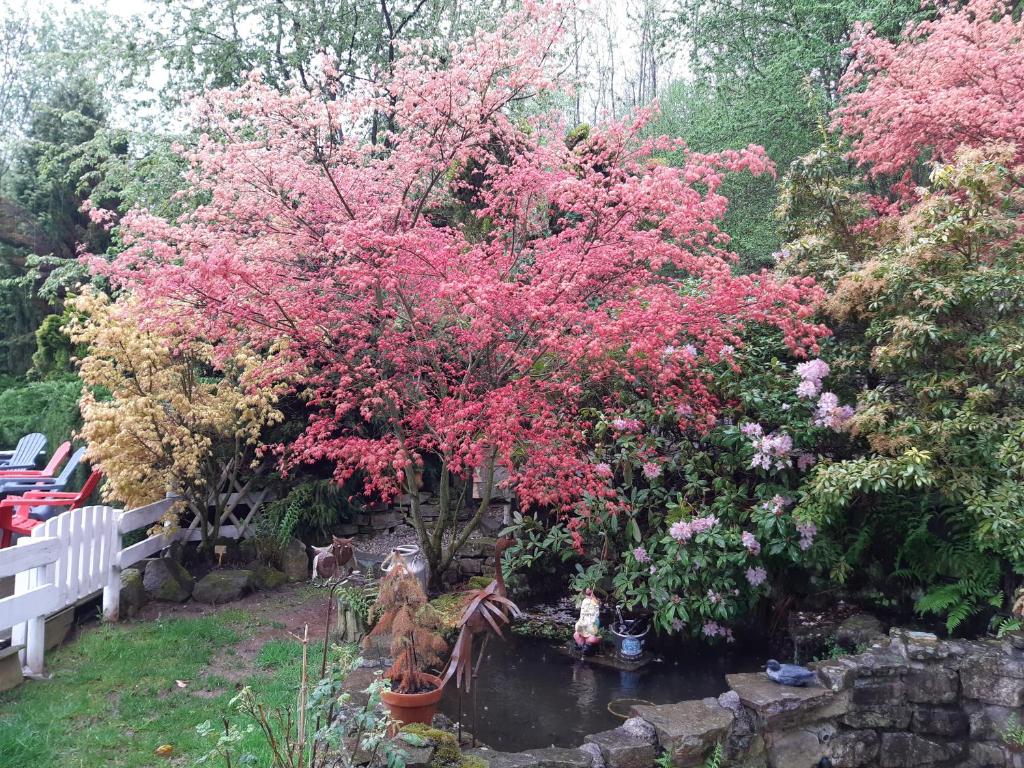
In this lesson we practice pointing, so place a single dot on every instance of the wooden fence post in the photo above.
(112, 590)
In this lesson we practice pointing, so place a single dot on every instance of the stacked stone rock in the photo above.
(911, 700)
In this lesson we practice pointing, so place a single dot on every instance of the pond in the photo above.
(532, 694)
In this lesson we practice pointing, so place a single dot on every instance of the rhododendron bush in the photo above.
(927, 308)
(454, 293)
(700, 528)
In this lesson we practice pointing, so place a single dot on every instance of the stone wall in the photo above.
(909, 700)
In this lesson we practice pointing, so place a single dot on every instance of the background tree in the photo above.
(765, 73)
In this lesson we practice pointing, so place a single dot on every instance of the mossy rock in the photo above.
(447, 753)
(479, 582)
(166, 579)
(218, 587)
(265, 577)
(450, 608)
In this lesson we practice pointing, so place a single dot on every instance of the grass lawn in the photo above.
(114, 696)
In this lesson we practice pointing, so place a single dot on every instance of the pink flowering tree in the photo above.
(955, 80)
(452, 294)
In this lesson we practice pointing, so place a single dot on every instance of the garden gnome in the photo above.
(588, 632)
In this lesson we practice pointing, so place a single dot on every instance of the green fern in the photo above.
(960, 580)
(314, 507)
(715, 759)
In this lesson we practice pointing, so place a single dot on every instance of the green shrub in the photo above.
(50, 407)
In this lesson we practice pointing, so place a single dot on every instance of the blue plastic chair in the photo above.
(25, 453)
(22, 484)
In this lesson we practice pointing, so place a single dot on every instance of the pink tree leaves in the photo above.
(464, 286)
(956, 80)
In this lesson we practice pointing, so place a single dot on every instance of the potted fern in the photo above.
(402, 611)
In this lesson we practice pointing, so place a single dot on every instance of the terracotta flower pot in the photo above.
(415, 707)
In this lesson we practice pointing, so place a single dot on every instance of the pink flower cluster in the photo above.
(641, 555)
(684, 530)
(807, 533)
(811, 373)
(626, 425)
(756, 576)
(831, 414)
(771, 450)
(714, 629)
(805, 461)
(652, 470)
(751, 543)
(776, 504)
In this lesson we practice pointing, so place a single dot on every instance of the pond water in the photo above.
(531, 694)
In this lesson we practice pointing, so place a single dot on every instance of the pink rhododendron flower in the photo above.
(641, 555)
(808, 389)
(756, 576)
(681, 531)
(626, 425)
(807, 533)
(652, 470)
(772, 451)
(830, 414)
(751, 429)
(805, 461)
(751, 543)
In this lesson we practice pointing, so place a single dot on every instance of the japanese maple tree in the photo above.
(957, 79)
(453, 293)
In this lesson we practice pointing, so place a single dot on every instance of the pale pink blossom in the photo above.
(751, 543)
(756, 576)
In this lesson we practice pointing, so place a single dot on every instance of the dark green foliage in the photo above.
(961, 580)
(310, 510)
(50, 407)
(54, 350)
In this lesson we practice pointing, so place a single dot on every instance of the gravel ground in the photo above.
(382, 543)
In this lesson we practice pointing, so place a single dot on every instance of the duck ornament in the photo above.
(788, 674)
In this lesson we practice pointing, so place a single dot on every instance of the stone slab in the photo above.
(688, 729)
(779, 706)
(622, 748)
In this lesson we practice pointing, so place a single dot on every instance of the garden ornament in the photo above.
(587, 632)
(486, 611)
(335, 560)
(788, 674)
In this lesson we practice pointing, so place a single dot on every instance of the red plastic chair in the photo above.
(48, 471)
(16, 512)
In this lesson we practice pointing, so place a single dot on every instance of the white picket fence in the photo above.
(71, 558)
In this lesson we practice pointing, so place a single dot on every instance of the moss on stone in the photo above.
(449, 607)
(446, 749)
(479, 582)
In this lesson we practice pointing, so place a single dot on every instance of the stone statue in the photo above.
(588, 627)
